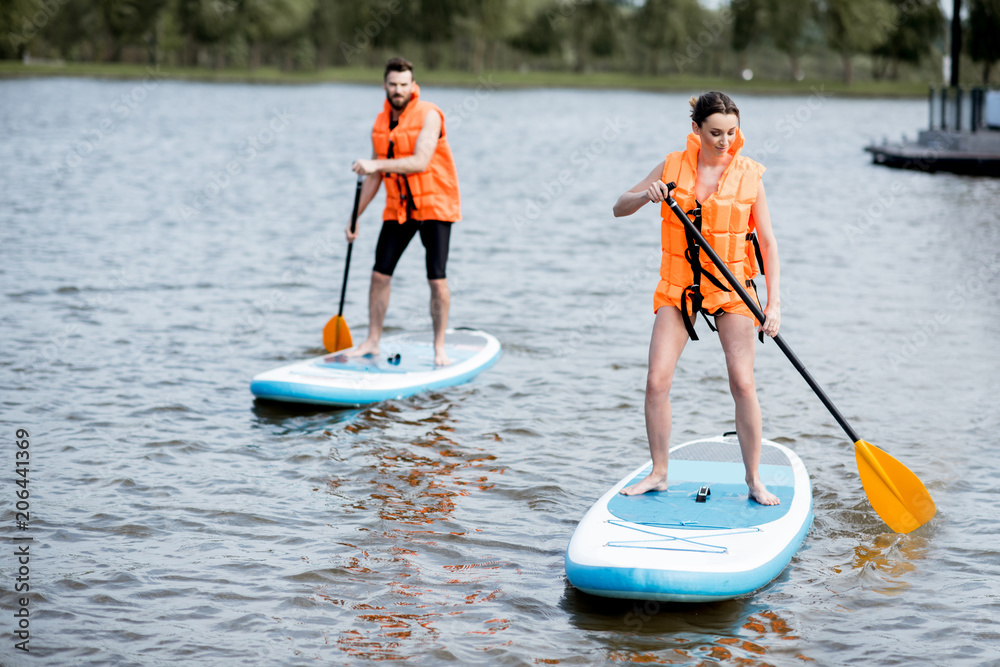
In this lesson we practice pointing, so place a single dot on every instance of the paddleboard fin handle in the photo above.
(703, 494)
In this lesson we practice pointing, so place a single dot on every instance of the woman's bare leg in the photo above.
(737, 334)
(665, 347)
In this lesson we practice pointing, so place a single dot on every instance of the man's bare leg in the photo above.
(665, 347)
(378, 303)
(440, 304)
(737, 333)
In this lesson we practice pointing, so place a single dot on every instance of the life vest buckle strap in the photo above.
(751, 283)
(752, 236)
(692, 293)
(693, 296)
(715, 281)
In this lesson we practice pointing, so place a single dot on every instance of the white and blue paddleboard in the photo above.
(404, 366)
(665, 545)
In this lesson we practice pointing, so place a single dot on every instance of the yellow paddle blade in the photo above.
(896, 494)
(336, 335)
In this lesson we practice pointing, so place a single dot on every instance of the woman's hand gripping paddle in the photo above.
(895, 493)
(336, 335)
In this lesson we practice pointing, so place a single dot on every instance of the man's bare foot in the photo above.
(652, 482)
(440, 358)
(760, 494)
(366, 348)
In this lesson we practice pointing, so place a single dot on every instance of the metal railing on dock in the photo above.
(959, 109)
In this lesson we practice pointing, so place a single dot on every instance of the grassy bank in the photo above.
(504, 79)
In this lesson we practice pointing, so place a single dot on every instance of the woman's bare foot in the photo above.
(652, 482)
(760, 494)
(440, 358)
(369, 347)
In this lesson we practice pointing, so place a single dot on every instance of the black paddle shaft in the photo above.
(350, 246)
(755, 309)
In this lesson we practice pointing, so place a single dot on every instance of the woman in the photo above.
(722, 188)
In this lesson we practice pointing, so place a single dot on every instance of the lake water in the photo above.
(162, 242)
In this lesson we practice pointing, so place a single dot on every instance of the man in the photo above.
(411, 154)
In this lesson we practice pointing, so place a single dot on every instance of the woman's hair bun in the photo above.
(712, 102)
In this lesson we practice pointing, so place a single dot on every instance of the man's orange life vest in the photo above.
(727, 225)
(433, 193)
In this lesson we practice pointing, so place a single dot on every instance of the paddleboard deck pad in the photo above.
(404, 366)
(671, 546)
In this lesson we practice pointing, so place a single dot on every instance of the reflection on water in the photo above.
(886, 563)
(652, 632)
(415, 483)
(299, 416)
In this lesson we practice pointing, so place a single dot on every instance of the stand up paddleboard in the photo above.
(405, 366)
(702, 539)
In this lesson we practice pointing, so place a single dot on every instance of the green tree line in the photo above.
(644, 36)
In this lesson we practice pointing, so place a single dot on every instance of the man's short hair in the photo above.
(397, 65)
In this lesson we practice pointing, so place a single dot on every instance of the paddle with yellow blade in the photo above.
(895, 493)
(336, 334)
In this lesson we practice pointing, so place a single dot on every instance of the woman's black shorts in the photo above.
(394, 238)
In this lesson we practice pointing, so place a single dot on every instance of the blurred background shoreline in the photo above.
(506, 80)
(892, 48)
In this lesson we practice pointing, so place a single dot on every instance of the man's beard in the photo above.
(398, 103)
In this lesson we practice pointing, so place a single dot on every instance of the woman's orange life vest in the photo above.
(727, 225)
(431, 194)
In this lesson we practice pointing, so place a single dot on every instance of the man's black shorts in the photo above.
(394, 238)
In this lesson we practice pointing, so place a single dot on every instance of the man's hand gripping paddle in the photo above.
(895, 493)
